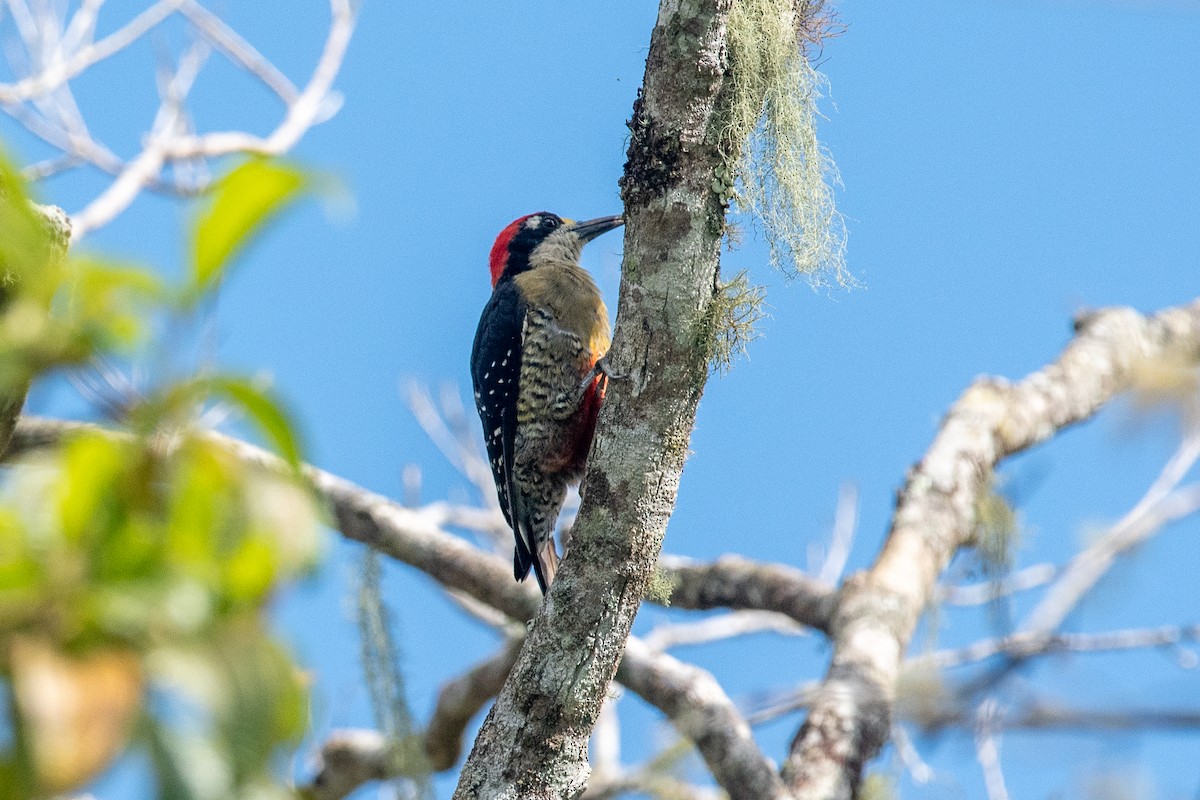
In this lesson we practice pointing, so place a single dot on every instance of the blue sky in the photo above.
(1004, 165)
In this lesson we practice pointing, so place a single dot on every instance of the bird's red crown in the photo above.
(498, 259)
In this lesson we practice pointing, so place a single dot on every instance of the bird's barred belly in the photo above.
(554, 364)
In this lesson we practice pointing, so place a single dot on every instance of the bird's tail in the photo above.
(545, 565)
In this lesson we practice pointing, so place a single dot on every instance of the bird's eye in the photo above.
(550, 223)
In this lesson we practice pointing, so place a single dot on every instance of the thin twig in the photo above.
(60, 72)
(1027, 644)
(845, 523)
(725, 626)
(241, 52)
(1163, 503)
(920, 771)
(987, 749)
(976, 594)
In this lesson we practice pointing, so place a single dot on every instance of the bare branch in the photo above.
(987, 749)
(921, 772)
(349, 759)
(935, 515)
(82, 27)
(736, 582)
(689, 696)
(786, 702)
(49, 167)
(1033, 715)
(988, 591)
(241, 52)
(1026, 644)
(116, 198)
(1041, 715)
(725, 626)
(59, 72)
(1163, 503)
(52, 56)
(446, 428)
(313, 105)
(845, 522)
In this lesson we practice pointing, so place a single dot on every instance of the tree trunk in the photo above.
(534, 742)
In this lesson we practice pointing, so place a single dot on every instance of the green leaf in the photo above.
(250, 571)
(265, 704)
(264, 410)
(24, 245)
(243, 202)
(184, 399)
(92, 466)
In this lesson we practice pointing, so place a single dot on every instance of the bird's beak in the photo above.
(590, 229)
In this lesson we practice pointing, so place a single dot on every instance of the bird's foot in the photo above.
(602, 367)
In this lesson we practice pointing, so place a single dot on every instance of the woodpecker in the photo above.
(539, 376)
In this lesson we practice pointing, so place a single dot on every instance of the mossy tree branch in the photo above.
(534, 742)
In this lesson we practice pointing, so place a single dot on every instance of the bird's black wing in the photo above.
(495, 373)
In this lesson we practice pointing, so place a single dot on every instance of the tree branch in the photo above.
(307, 108)
(689, 696)
(736, 582)
(987, 749)
(1044, 716)
(1026, 644)
(533, 744)
(935, 515)
(349, 759)
(414, 536)
(417, 537)
(1163, 503)
(59, 72)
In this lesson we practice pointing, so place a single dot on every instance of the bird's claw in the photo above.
(604, 368)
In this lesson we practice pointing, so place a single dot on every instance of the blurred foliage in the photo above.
(240, 205)
(55, 310)
(997, 536)
(1171, 380)
(921, 696)
(135, 563)
(877, 786)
